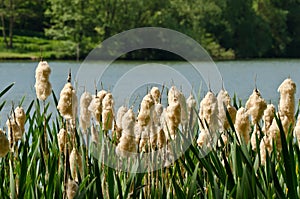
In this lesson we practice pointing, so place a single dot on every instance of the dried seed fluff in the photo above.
(72, 188)
(85, 114)
(20, 118)
(42, 85)
(107, 112)
(242, 124)
(256, 106)
(155, 93)
(76, 164)
(67, 104)
(62, 137)
(268, 117)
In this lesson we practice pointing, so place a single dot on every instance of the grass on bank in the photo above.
(26, 47)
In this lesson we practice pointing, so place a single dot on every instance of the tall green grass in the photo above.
(228, 171)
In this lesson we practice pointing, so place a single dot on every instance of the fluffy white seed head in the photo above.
(256, 106)
(155, 93)
(14, 130)
(85, 114)
(4, 144)
(145, 113)
(120, 113)
(274, 132)
(62, 138)
(242, 124)
(67, 104)
(95, 135)
(204, 139)
(95, 108)
(171, 119)
(42, 85)
(107, 112)
(209, 113)
(127, 143)
(20, 118)
(287, 99)
(268, 117)
(76, 164)
(191, 105)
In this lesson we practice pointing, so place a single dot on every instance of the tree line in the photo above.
(225, 28)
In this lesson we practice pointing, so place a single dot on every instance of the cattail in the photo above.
(4, 144)
(101, 94)
(297, 131)
(144, 144)
(107, 112)
(20, 118)
(67, 104)
(85, 114)
(72, 189)
(191, 105)
(274, 132)
(95, 108)
(61, 137)
(42, 85)
(118, 131)
(75, 164)
(287, 99)
(14, 130)
(144, 115)
(158, 110)
(264, 147)
(171, 119)
(256, 133)
(209, 113)
(204, 139)
(161, 139)
(175, 95)
(242, 124)
(127, 142)
(268, 117)
(155, 93)
(224, 100)
(256, 106)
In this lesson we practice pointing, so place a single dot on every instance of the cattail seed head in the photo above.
(20, 118)
(209, 112)
(75, 164)
(67, 104)
(95, 108)
(268, 117)
(287, 99)
(13, 129)
(4, 144)
(265, 146)
(255, 133)
(62, 137)
(107, 112)
(42, 85)
(85, 114)
(242, 124)
(127, 143)
(155, 93)
(191, 105)
(256, 106)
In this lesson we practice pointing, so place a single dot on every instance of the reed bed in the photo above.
(235, 151)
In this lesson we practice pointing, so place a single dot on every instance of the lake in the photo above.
(238, 77)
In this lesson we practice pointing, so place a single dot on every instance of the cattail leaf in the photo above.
(98, 179)
(110, 182)
(119, 186)
(287, 161)
(193, 182)
(24, 171)
(12, 184)
(6, 89)
(2, 105)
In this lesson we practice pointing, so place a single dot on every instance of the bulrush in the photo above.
(224, 100)
(118, 130)
(145, 112)
(75, 164)
(62, 137)
(14, 131)
(274, 132)
(242, 124)
(67, 104)
(127, 143)
(208, 113)
(204, 139)
(171, 116)
(256, 106)
(42, 85)
(4, 144)
(191, 105)
(95, 108)
(95, 136)
(155, 93)
(20, 118)
(286, 105)
(85, 114)
(72, 188)
(107, 112)
(175, 95)
(268, 117)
